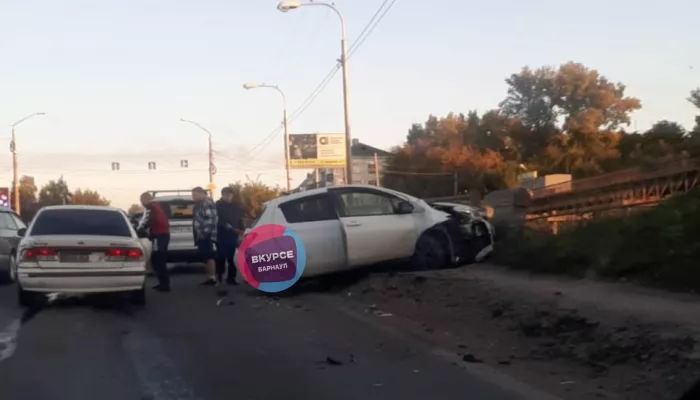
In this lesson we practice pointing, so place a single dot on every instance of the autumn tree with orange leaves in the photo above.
(569, 119)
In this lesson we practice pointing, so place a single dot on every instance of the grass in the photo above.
(659, 247)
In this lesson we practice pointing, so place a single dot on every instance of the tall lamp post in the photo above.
(212, 168)
(13, 149)
(285, 6)
(285, 123)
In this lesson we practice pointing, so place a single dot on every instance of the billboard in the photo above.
(316, 150)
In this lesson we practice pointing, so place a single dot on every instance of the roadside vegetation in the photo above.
(659, 247)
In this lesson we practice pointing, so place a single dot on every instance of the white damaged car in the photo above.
(350, 226)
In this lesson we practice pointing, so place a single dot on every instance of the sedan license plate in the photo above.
(74, 257)
(181, 229)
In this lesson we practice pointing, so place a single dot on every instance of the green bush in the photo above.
(659, 247)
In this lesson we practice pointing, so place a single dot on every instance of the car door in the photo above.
(315, 220)
(8, 234)
(375, 230)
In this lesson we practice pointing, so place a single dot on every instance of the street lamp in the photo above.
(285, 6)
(212, 168)
(285, 123)
(13, 149)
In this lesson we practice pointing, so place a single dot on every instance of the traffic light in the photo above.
(4, 197)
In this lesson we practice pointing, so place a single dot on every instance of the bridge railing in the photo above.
(618, 177)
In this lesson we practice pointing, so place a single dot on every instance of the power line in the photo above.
(371, 29)
(368, 29)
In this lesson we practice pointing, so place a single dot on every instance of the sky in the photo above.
(115, 77)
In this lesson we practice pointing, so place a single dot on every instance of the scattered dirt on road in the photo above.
(575, 339)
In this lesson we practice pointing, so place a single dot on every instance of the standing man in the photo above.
(155, 223)
(204, 228)
(229, 230)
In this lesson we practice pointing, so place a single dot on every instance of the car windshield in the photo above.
(80, 222)
(177, 209)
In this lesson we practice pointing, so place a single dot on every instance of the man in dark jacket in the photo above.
(155, 222)
(229, 230)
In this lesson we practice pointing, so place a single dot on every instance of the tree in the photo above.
(55, 192)
(573, 113)
(27, 192)
(252, 195)
(88, 197)
(134, 209)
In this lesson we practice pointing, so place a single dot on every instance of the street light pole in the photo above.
(13, 149)
(285, 6)
(285, 123)
(212, 168)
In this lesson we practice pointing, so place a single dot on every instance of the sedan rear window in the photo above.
(177, 209)
(80, 222)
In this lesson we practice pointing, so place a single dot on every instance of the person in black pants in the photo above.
(154, 223)
(230, 227)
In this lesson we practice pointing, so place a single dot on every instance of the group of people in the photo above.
(216, 228)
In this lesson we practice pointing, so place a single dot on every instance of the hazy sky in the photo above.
(115, 76)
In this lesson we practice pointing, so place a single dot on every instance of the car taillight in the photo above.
(39, 254)
(124, 254)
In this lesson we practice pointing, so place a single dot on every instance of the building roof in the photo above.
(360, 149)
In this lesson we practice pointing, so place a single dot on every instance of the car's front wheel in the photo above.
(430, 253)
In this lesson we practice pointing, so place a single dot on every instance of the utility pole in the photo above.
(211, 169)
(15, 182)
(285, 6)
(455, 184)
(376, 170)
(13, 149)
(285, 122)
(346, 106)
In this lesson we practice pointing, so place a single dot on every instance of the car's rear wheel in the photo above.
(138, 297)
(27, 298)
(12, 272)
(430, 253)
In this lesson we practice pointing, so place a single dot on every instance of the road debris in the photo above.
(333, 361)
(470, 358)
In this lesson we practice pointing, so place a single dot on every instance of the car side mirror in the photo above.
(21, 232)
(404, 207)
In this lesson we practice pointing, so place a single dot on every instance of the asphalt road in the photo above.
(183, 346)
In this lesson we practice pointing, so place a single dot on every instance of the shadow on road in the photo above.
(105, 303)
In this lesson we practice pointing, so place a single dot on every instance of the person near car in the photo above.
(154, 222)
(204, 227)
(229, 230)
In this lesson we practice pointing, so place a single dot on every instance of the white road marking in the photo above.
(8, 339)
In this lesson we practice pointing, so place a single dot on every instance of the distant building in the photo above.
(363, 168)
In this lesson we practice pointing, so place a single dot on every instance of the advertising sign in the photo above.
(316, 150)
